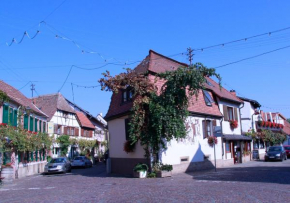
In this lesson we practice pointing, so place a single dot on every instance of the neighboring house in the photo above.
(34, 120)
(209, 115)
(66, 118)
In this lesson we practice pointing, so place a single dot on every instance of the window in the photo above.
(127, 95)
(207, 98)
(58, 129)
(72, 131)
(230, 113)
(207, 128)
(228, 147)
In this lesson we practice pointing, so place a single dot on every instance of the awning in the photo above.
(236, 137)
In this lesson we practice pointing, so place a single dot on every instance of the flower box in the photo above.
(233, 124)
(163, 174)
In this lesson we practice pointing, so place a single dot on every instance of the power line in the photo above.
(242, 39)
(55, 10)
(24, 85)
(251, 57)
(66, 78)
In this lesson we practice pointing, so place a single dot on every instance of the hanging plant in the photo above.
(129, 146)
(3, 98)
(211, 140)
(233, 124)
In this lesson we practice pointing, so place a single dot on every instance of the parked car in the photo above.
(275, 153)
(58, 165)
(81, 161)
(287, 149)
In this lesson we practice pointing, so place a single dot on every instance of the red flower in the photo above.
(274, 124)
(3, 124)
(233, 123)
(267, 123)
(263, 123)
(211, 140)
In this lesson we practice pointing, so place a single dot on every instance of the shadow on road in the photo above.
(264, 174)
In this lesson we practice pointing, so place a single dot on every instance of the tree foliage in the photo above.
(64, 142)
(158, 115)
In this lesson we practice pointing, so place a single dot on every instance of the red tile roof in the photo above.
(83, 120)
(157, 63)
(19, 98)
(52, 102)
(286, 128)
(221, 92)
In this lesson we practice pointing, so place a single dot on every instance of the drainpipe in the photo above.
(221, 124)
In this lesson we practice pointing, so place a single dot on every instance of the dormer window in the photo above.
(127, 95)
(207, 98)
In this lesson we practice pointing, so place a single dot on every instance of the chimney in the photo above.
(233, 92)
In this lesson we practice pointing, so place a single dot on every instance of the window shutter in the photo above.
(82, 132)
(35, 126)
(40, 126)
(204, 128)
(10, 116)
(25, 126)
(226, 116)
(31, 124)
(65, 130)
(91, 133)
(55, 128)
(76, 131)
(127, 129)
(44, 127)
(213, 122)
(5, 114)
(236, 114)
(15, 117)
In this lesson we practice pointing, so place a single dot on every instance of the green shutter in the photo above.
(43, 154)
(31, 124)
(35, 126)
(10, 116)
(25, 122)
(5, 114)
(15, 114)
(44, 127)
(19, 157)
(36, 155)
(31, 156)
(40, 126)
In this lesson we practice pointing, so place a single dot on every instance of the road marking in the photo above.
(4, 189)
(34, 188)
(47, 188)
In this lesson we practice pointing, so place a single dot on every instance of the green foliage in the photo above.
(161, 167)
(273, 138)
(288, 119)
(252, 134)
(151, 175)
(64, 141)
(3, 97)
(158, 116)
(166, 167)
(140, 167)
(22, 140)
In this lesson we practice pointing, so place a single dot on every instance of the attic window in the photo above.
(207, 98)
(127, 95)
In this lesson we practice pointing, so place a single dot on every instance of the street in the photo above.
(255, 181)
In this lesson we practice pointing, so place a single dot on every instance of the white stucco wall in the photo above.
(226, 128)
(118, 138)
(248, 119)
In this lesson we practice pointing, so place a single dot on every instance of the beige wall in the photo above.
(1, 113)
(118, 138)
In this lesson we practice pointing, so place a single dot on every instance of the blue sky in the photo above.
(123, 31)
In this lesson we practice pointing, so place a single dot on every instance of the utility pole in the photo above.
(190, 55)
(32, 89)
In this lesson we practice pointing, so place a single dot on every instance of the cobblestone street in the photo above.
(250, 182)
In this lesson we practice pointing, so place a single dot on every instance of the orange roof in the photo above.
(84, 121)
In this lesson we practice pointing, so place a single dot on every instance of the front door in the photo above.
(237, 152)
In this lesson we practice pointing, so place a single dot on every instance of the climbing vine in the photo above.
(158, 115)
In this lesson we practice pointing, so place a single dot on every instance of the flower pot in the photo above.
(7, 173)
(162, 174)
(140, 174)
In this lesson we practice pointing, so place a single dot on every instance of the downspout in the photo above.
(221, 124)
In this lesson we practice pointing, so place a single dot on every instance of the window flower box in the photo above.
(233, 124)
(211, 140)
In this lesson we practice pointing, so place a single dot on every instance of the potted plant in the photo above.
(211, 140)
(162, 170)
(140, 170)
(233, 124)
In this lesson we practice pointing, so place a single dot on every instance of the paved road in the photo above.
(249, 182)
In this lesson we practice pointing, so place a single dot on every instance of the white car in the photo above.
(81, 161)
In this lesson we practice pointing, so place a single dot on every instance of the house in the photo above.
(210, 115)
(66, 118)
(20, 112)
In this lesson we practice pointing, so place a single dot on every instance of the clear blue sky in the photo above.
(124, 31)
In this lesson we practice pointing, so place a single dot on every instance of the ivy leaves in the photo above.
(160, 104)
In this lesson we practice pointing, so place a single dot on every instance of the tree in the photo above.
(158, 116)
(288, 119)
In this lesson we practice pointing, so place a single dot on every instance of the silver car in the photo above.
(58, 165)
(81, 161)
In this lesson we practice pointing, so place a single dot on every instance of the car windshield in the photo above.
(79, 158)
(58, 160)
(275, 149)
(287, 148)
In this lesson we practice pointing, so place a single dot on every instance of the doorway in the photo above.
(237, 152)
